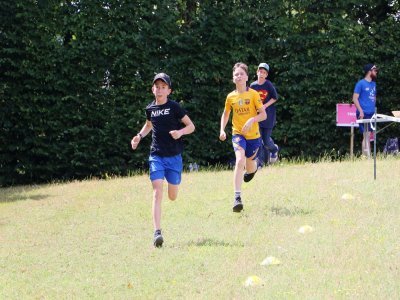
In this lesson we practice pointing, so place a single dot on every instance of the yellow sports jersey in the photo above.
(244, 106)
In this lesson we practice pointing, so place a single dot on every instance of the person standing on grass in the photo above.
(246, 105)
(364, 98)
(268, 96)
(168, 122)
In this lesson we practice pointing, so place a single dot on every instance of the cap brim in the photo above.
(162, 79)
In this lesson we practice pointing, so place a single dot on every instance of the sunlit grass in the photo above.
(93, 239)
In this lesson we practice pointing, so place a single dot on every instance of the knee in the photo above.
(157, 193)
(172, 197)
(172, 193)
(270, 145)
(240, 161)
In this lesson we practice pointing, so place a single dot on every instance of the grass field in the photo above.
(93, 239)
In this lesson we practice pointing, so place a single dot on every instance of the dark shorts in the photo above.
(169, 168)
(250, 146)
(361, 125)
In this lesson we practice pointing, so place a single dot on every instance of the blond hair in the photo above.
(242, 66)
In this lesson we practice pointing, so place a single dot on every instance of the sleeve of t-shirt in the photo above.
(179, 111)
(257, 100)
(358, 88)
(227, 104)
(148, 115)
(273, 93)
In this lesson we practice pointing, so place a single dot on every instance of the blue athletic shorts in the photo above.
(361, 125)
(250, 146)
(169, 167)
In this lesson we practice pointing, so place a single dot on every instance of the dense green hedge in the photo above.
(76, 76)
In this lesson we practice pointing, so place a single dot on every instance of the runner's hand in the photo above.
(135, 142)
(247, 125)
(222, 135)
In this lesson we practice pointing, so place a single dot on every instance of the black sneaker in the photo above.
(237, 205)
(249, 176)
(158, 239)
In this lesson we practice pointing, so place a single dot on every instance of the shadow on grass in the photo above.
(206, 242)
(286, 212)
(13, 197)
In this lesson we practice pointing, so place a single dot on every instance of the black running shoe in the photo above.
(248, 176)
(158, 239)
(237, 205)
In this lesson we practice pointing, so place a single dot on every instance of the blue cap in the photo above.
(264, 66)
(164, 77)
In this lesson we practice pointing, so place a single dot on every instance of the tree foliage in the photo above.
(76, 75)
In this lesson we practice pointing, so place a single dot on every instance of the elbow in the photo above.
(264, 117)
(190, 128)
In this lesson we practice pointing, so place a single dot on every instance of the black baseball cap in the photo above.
(164, 77)
(369, 67)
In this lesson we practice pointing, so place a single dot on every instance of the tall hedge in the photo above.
(76, 76)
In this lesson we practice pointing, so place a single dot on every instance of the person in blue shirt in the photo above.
(268, 97)
(364, 98)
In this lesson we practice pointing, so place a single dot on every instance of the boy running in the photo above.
(164, 117)
(247, 112)
(268, 96)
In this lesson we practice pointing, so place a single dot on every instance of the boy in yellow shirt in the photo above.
(247, 112)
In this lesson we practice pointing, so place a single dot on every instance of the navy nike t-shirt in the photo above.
(165, 117)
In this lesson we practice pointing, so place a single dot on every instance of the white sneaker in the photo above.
(273, 158)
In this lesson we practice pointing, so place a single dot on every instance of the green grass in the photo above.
(93, 239)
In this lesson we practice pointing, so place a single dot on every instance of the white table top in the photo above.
(379, 119)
